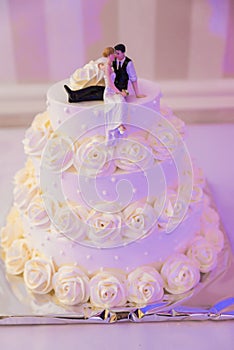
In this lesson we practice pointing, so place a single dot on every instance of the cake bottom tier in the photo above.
(148, 270)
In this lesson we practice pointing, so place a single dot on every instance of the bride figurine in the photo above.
(114, 99)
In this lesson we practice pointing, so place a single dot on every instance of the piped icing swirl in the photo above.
(71, 285)
(108, 289)
(180, 274)
(16, 256)
(145, 285)
(38, 273)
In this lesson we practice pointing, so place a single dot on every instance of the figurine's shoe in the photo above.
(111, 138)
(122, 130)
(70, 93)
(90, 93)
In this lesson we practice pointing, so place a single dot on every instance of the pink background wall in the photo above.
(44, 41)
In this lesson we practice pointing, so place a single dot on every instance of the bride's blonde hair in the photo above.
(108, 51)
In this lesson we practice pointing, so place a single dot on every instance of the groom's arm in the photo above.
(133, 78)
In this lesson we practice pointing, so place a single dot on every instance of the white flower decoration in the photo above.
(139, 218)
(71, 285)
(132, 155)
(108, 289)
(13, 230)
(37, 135)
(180, 274)
(93, 157)
(38, 273)
(70, 220)
(104, 228)
(215, 237)
(203, 254)
(16, 256)
(37, 213)
(59, 152)
(145, 285)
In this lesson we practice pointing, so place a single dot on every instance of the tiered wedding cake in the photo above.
(109, 224)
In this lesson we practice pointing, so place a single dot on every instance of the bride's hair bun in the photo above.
(108, 51)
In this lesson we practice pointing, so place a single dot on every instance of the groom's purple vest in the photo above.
(121, 78)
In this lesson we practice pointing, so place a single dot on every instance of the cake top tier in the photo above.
(60, 109)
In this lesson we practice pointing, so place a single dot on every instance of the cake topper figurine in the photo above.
(87, 82)
(114, 99)
(125, 71)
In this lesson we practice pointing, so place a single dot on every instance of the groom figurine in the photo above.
(124, 70)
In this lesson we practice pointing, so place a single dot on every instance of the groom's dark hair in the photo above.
(120, 47)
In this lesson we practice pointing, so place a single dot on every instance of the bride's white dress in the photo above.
(115, 108)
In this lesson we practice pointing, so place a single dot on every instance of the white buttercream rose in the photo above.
(108, 289)
(93, 157)
(16, 256)
(170, 208)
(38, 273)
(59, 153)
(203, 254)
(24, 194)
(138, 217)
(37, 135)
(165, 110)
(163, 142)
(42, 121)
(160, 152)
(145, 285)
(180, 274)
(215, 237)
(25, 174)
(210, 218)
(71, 285)
(70, 220)
(37, 213)
(104, 228)
(132, 155)
(177, 123)
(26, 186)
(13, 230)
(198, 175)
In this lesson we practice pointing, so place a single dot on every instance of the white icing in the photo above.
(16, 256)
(69, 220)
(203, 254)
(26, 187)
(37, 135)
(13, 230)
(180, 274)
(145, 168)
(37, 213)
(215, 237)
(93, 157)
(104, 228)
(131, 155)
(145, 285)
(58, 153)
(209, 218)
(108, 289)
(139, 218)
(71, 285)
(38, 274)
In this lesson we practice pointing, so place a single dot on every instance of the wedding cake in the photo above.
(109, 224)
